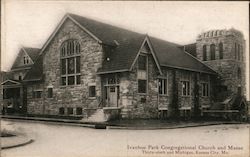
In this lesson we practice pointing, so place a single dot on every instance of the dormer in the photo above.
(25, 58)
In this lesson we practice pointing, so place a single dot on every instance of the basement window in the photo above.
(70, 110)
(79, 111)
(61, 111)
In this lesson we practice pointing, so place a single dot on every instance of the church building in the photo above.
(87, 68)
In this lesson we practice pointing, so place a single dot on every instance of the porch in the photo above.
(14, 97)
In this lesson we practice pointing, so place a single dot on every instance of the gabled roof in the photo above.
(124, 46)
(190, 48)
(170, 55)
(36, 72)
(31, 52)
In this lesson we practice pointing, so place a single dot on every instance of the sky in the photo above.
(30, 22)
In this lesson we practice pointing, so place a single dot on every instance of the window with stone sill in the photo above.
(70, 63)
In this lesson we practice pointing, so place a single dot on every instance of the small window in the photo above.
(92, 92)
(142, 86)
(70, 110)
(37, 94)
(212, 51)
(162, 86)
(185, 88)
(50, 92)
(24, 60)
(205, 89)
(19, 78)
(61, 111)
(79, 111)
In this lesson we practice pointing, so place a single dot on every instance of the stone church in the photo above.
(90, 69)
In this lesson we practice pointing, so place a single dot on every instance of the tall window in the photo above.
(238, 50)
(239, 73)
(204, 52)
(235, 50)
(205, 89)
(162, 86)
(50, 92)
(185, 88)
(70, 63)
(212, 51)
(221, 50)
(142, 74)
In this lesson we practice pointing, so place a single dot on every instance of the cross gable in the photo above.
(22, 60)
(10, 82)
(146, 47)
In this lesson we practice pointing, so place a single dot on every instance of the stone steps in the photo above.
(98, 116)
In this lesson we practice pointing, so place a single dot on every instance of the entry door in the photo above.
(112, 96)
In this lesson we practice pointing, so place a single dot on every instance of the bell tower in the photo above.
(224, 52)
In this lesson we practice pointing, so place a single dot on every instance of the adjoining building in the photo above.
(88, 67)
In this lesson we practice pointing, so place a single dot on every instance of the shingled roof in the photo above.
(123, 47)
(33, 54)
(36, 72)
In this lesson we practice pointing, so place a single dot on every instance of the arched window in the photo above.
(204, 52)
(221, 50)
(212, 51)
(70, 63)
(239, 73)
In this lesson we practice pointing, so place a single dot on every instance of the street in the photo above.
(72, 141)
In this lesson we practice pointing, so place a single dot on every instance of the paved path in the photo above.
(70, 141)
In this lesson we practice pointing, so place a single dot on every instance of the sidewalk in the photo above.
(15, 141)
(123, 124)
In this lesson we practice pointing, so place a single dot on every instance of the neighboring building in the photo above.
(87, 66)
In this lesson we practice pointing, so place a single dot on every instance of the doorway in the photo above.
(112, 96)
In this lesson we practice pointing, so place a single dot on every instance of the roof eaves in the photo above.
(114, 71)
(189, 69)
(200, 62)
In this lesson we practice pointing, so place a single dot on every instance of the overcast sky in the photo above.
(30, 23)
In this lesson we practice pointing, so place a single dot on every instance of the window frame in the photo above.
(204, 54)
(140, 71)
(212, 51)
(66, 55)
(206, 86)
(221, 47)
(164, 88)
(50, 92)
(90, 95)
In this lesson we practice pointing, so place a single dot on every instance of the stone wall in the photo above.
(228, 66)
(131, 100)
(73, 95)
